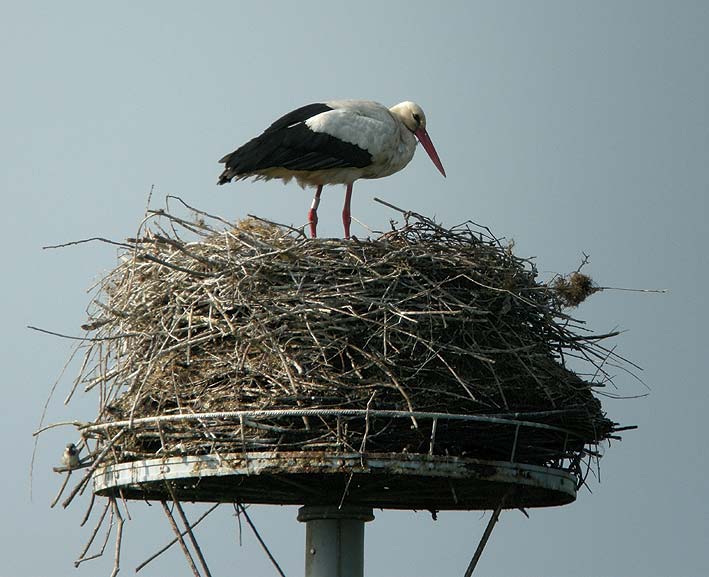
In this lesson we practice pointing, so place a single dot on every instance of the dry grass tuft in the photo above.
(574, 288)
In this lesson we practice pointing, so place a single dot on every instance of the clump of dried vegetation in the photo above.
(573, 289)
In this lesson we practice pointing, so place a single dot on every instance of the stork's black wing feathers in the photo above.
(298, 115)
(289, 143)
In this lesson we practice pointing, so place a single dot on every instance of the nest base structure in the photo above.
(424, 369)
(376, 480)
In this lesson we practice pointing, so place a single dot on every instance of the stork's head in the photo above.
(411, 115)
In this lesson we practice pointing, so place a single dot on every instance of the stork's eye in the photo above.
(417, 118)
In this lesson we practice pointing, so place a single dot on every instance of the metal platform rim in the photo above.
(558, 486)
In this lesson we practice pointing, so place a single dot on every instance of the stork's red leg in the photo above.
(346, 217)
(313, 213)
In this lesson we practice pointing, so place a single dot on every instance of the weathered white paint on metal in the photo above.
(192, 468)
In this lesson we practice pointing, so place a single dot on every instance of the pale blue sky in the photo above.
(568, 126)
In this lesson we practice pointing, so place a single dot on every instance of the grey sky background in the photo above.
(569, 127)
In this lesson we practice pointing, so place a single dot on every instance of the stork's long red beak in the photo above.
(425, 141)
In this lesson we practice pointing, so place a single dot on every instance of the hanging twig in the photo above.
(238, 521)
(188, 529)
(88, 510)
(61, 490)
(171, 543)
(119, 539)
(180, 540)
(82, 556)
(44, 411)
(260, 540)
(483, 541)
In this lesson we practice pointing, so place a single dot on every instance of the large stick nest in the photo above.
(255, 316)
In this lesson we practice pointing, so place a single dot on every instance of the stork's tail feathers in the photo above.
(228, 173)
(226, 176)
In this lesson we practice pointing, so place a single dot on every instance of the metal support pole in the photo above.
(334, 540)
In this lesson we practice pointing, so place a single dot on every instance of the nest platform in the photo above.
(427, 366)
(381, 481)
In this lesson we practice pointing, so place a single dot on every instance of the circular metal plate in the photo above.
(383, 480)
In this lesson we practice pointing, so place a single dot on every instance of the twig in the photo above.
(82, 368)
(180, 540)
(171, 543)
(238, 521)
(483, 541)
(44, 411)
(393, 207)
(162, 262)
(88, 510)
(77, 424)
(61, 490)
(92, 239)
(346, 489)
(82, 556)
(298, 231)
(198, 211)
(82, 339)
(119, 538)
(188, 528)
(260, 540)
(125, 503)
(635, 290)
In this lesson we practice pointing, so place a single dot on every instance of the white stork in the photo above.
(335, 142)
